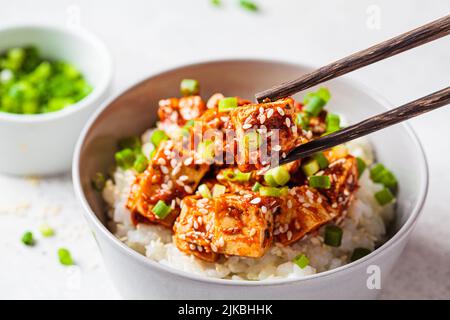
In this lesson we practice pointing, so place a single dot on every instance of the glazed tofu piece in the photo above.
(302, 211)
(170, 176)
(179, 111)
(343, 175)
(193, 229)
(269, 122)
(243, 224)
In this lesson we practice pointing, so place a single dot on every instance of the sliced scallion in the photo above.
(236, 175)
(320, 182)
(189, 87)
(256, 187)
(46, 230)
(315, 105)
(65, 258)
(133, 143)
(27, 238)
(158, 136)
(322, 161)
(270, 191)
(384, 196)
(333, 236)
(161, 209)
(204, 191)
(333, 122)
(361, 166)
(248, 5)
(141, 163)
(98, 181)
(218, 190)
(301, 260)
(310, 167)
(125, 158)
(228, 104)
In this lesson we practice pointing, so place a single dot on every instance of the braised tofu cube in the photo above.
(343, 174)
(193, 229)
(179, 111)
(171, 176)
(243, 225)
(302, 211)
(264, 132)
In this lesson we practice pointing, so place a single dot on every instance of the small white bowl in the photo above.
(43, 144)
(134, 111)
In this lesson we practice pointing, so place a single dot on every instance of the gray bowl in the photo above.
(134, 111)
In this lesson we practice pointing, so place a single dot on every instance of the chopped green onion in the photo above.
(189, 87)
(249, 5)
(236, 175)
(27, 238)
(324, 93)
(310, 167)
(218, 190)
(256, 187)
(270, 191)
(125, 158)
(189, 124)
(315, 105)
(320, 182)
(376, 172)
(358, 253)
(204, 191)
(302, 120)
(252, 140)
(333, 235)
(205, 150)
(161, 209)
(301, 260)
(322, 161)
(228, 104)
(98, 181)
(279, 175)
(141, 163)
(384, 196)
(65, 258)
(216, 2)
(158, 136)
(333, 122)
(379, 174)
(46, 230)
(361, 166)
(133, 143)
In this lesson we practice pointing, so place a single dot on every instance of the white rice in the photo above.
(364, 226)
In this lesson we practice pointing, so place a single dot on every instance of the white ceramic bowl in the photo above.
(134, 111)
(43, 144)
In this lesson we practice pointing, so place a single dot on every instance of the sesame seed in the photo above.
(288, 122)
(256, 201)
(188, 161)
(289, 204)
(276, 148)
(252, 232)
(280, 111)
(192, 246)
(224, 119)
(204, 211)
(262, 119)
(246, 126)
(173, 163)
(195, 225)
(176, 170)
(289, 235)
(283, 155)
(188, 189)
(213, 247)
(263, 209)
(294, 129)
(200, 248)
(269, 113)
(162, 161)
(261, 110)
(164, 170)
(334, 205)
(183, 178)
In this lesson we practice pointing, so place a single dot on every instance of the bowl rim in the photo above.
(150, 264)
(97, 92)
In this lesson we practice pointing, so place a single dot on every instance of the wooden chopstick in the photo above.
(408, 40)
(378, 122)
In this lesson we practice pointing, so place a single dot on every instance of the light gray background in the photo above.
(146, 36)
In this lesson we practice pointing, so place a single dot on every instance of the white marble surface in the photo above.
(146, 36)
